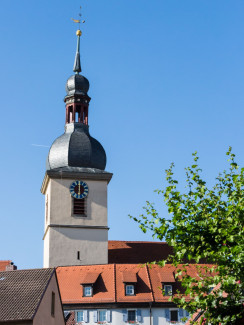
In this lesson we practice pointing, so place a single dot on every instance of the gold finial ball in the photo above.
(78, 32)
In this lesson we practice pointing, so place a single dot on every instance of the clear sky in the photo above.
(166, 80)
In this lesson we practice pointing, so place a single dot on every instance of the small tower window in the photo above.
(79, 207)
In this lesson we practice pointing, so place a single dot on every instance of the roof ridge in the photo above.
(39, 269)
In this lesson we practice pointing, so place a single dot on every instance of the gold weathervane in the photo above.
(78, 21)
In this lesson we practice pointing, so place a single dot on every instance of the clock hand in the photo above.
(79, 189)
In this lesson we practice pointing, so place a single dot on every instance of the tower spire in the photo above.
(77, 66)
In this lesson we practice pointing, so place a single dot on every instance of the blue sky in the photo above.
(166, 80)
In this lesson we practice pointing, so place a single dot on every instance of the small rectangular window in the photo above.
(131, 315)
(168, 290)
(87, 291)
(129, 290)
(79, 316)
(102, 315)
(174, 315)
(79, 206)
(53, 305)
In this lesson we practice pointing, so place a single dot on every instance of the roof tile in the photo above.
(21, 291)
(143, 292)
(71, 290)
(136, 252)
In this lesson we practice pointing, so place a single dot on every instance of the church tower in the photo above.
(75, 185)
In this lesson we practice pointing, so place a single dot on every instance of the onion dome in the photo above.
(77, 85)
(76, 148)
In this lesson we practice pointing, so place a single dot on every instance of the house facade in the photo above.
(121, 294)
(30, 297)
(7, 265)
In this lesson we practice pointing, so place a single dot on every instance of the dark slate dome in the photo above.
(76, 148)
(77, 85)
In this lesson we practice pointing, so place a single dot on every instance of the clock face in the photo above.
(78, 189)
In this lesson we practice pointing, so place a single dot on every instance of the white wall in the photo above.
(158, 316)
(71, 233)
(60, 203)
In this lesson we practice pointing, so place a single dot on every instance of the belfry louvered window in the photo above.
(79, 207)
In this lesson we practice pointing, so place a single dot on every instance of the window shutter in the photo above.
(138, 315)
(95, 316)
(187, 314)
(167, 314)
(109, 316)
(180, 313)
(85, 316)
(125, 317)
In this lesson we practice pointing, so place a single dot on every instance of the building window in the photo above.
(102, 315)
(131, 315)
(79, 207)
(79, 316)
(167, 290)
(53, 304)
(174, 315)
(87, 291)
(129, 290)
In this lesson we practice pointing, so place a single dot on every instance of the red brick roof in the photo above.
(136, 252)
(110, 287)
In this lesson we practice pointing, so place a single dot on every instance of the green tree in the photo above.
(205, 224)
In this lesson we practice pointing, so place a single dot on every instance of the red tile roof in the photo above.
(71, 290)
(143, 291)
(90, 278)
(109, 282)
(129, 277)
(157, 273)
(166, 276)
(7, 266)
(136, 252)
(4, 264)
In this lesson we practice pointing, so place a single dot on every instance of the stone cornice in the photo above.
(75, 173)
(74, 227)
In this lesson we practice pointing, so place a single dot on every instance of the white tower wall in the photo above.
(67, 234)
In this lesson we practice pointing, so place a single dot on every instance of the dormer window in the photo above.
(167, 278)
(130, 280)
(168, 290)
(87, 291)
(129, 289)
(88, 283)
